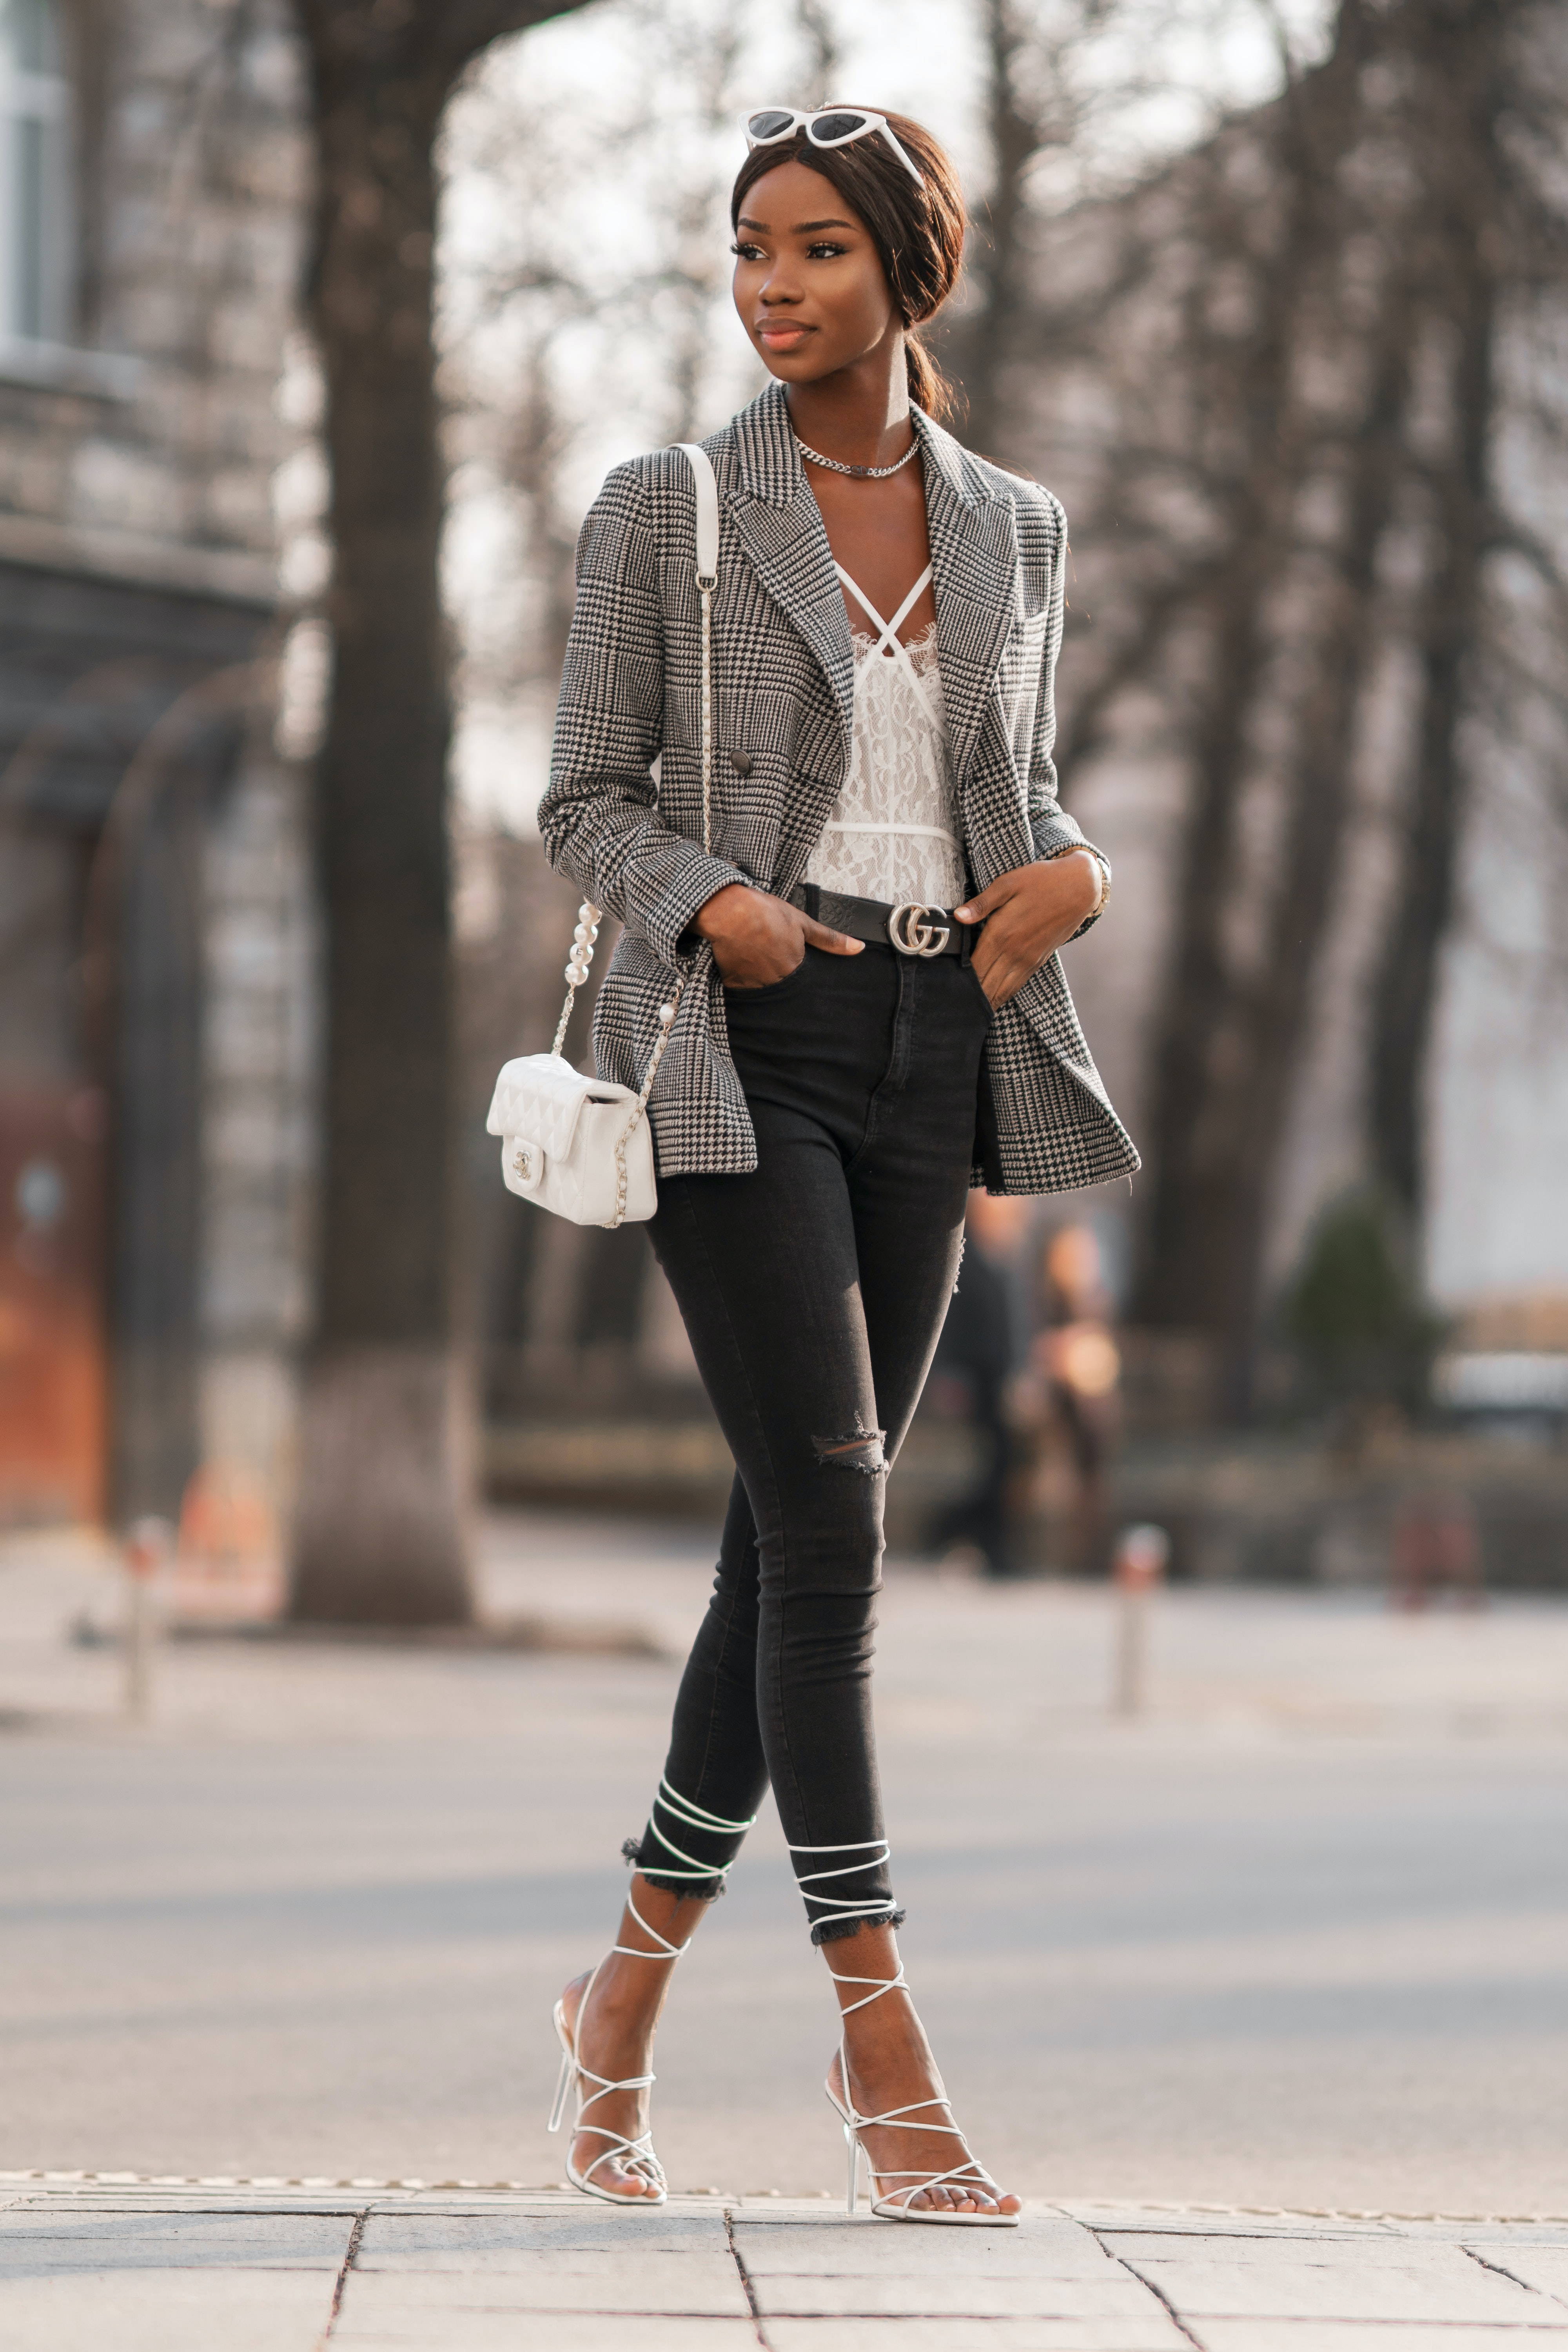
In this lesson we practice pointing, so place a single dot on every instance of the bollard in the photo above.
(1138, 1565)
(147, 1546)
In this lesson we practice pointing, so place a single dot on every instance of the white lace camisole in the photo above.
(892, 834)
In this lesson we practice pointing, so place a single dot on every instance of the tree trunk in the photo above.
(999, 296)
(1463, 171)
(1271, 1019)
(1198, 1269)
(380, 1526)
(385, 1473)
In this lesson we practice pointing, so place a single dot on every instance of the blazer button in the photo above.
(741, 763)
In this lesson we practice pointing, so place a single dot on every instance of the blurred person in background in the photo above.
(1076, 1357)
(1436, 1545)
(859, 926)
(983, 1346)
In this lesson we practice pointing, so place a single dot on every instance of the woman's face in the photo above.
(810, 288)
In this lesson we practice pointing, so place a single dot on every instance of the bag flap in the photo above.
(540, 1095)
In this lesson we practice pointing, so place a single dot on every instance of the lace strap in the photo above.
(890, 641)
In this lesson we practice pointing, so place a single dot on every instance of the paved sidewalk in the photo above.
(93, 2266)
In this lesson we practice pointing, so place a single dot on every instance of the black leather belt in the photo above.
(913, 929)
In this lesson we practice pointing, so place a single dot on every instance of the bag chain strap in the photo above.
(589, 918)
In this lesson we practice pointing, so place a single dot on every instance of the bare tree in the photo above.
(1492, 228)
(823, 51)
(1272, 323)
(1229, 1017)
(1036, 108)
(384, 1478)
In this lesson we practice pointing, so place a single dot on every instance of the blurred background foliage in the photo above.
(1356, 1314)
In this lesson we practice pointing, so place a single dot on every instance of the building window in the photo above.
(35, 176)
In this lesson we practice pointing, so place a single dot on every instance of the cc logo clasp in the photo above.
(912, 935)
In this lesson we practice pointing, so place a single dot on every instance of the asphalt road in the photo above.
(1297, 1939)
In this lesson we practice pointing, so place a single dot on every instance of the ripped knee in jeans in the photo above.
(860, 1449)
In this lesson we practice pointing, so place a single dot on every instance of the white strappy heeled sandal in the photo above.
(895, 2205)
(634, 2156)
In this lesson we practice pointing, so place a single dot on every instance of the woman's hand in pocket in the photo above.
(1027, 915)
(758, 938)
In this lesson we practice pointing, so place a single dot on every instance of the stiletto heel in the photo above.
(563, 2083)
(896, 2206)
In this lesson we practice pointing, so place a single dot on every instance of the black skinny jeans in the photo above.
(814, 1292)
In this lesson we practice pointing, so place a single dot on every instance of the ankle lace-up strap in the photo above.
(823, 1909)
(900, 1983)
(678, 1809)
(667, 1950)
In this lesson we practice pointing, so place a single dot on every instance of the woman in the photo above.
(872, 1019)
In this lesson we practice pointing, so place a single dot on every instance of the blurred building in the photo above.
(153, 930)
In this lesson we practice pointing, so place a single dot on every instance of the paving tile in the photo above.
(1544, 2268)
(411, 2241)
(165, 2311)
(1221, 2244)
(1451, 2231)
(627, 2280)
(1116, 2226)
(1154, 2335)
(182, 2201)
(965, 2296)
(1040, 2248)
(1371, 2335)
(1381, 2282)
(543, 2331)
(504, 2262)
(33, 2243)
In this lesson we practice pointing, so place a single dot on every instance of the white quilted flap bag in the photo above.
(582, 1146)
(568, 1141)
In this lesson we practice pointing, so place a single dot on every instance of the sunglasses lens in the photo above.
(769, 124)
(827, 128)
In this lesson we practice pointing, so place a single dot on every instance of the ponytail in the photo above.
(928, 388)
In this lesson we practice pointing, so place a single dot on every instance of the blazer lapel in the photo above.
(780, 527)
(975, 567)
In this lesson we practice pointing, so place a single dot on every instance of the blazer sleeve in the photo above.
(1053, 829)
(599, 817)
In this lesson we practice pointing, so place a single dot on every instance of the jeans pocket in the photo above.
(770, 989)
(978, 987)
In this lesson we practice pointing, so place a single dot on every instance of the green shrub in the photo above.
(1354, 1315)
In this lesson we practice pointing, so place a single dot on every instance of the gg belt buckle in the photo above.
(912, 935)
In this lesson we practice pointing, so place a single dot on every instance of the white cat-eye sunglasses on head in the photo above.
(826, 126)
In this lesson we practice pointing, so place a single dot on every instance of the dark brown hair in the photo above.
(918, 232)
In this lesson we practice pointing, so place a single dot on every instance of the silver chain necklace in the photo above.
(861, 473)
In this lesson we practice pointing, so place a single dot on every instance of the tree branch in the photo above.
(429, 41)
(460, 29)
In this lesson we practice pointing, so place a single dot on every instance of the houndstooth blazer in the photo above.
(623, 812)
